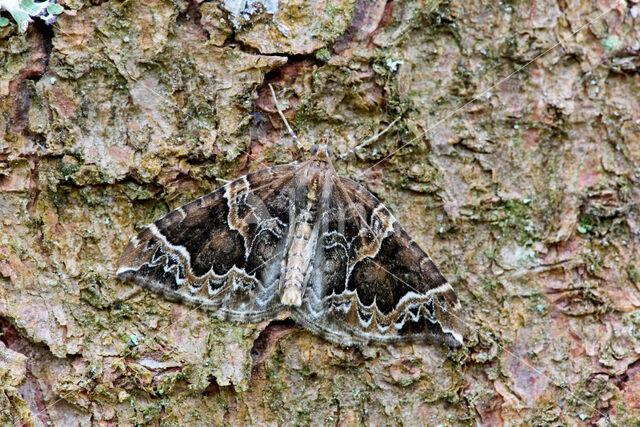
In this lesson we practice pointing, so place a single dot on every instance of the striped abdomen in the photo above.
(300, 252)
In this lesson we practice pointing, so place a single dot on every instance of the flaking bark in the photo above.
(515, 165)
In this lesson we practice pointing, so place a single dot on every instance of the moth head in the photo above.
(321, 152)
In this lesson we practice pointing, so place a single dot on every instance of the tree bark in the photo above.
(514, 164)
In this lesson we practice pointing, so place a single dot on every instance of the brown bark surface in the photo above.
(515, 165)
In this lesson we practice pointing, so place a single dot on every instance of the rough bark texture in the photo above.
(515, 165)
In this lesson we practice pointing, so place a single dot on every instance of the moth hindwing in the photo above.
(298, 238)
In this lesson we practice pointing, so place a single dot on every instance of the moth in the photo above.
(302, 239)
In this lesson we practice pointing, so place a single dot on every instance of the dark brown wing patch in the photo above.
(222, 251)
(380, 285)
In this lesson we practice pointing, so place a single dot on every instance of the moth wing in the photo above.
(370, 281)
(222, 252)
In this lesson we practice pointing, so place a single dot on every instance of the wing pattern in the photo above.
(223, 251)
(371, 281)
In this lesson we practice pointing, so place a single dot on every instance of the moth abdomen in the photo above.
(301, 251)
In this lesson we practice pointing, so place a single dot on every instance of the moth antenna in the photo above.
(284, 119)
(370, 140)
